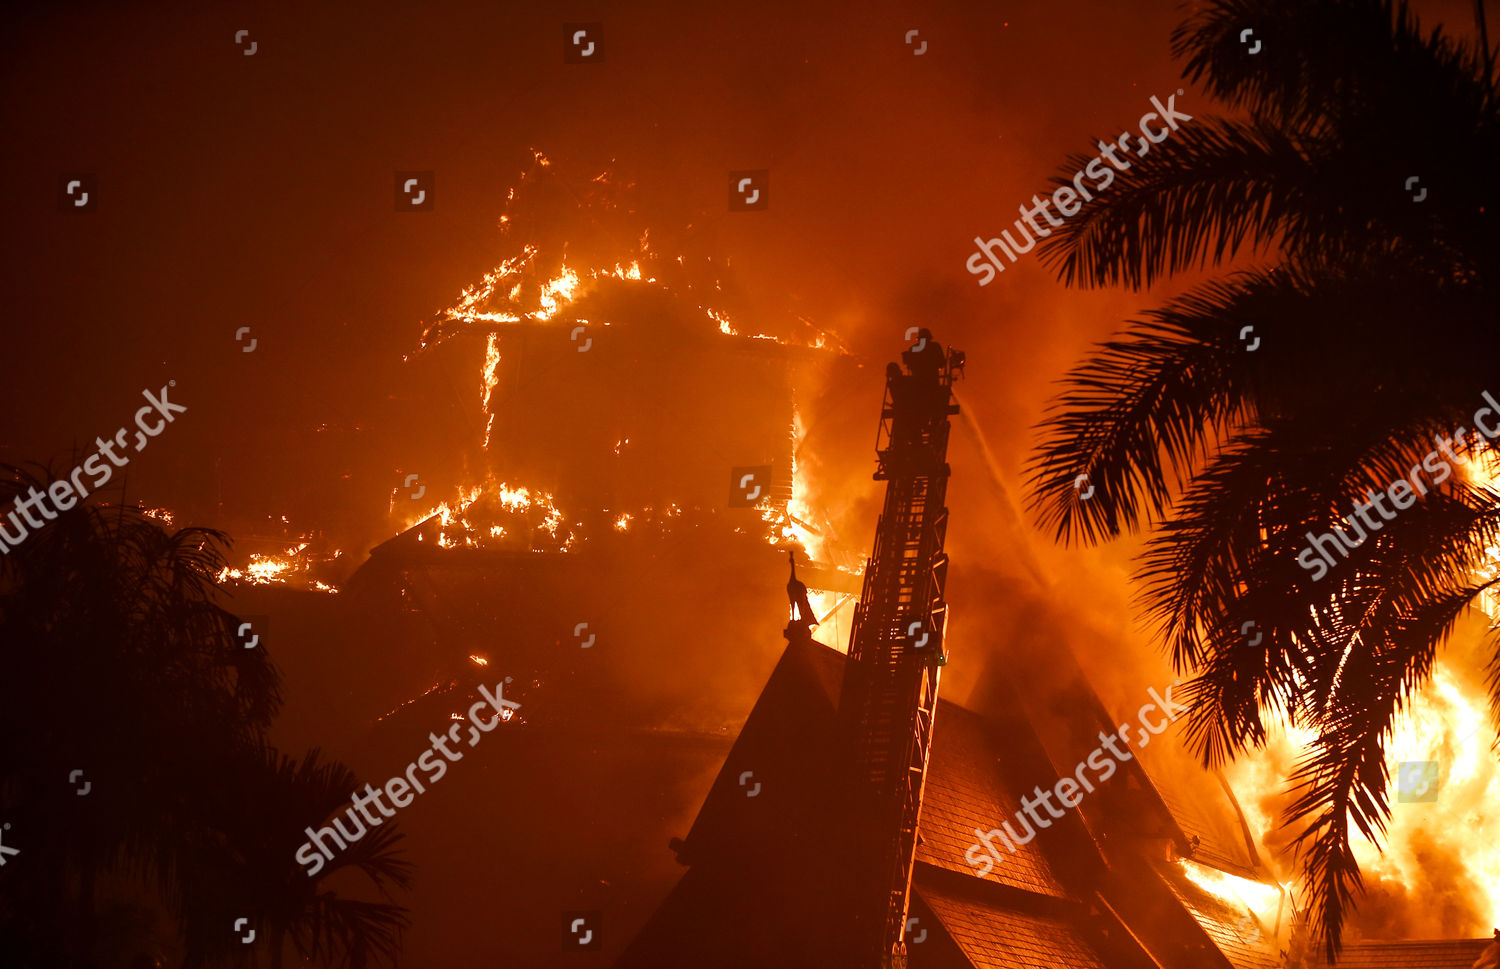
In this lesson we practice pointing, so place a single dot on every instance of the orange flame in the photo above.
(277, 570)
(1445, 781)
(488, 380)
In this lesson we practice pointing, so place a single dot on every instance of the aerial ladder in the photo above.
(890, 689)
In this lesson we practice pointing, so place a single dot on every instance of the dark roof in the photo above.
(965, 792)
(991, 936)
(1438, 954)
(769, 874)
(1236, 931)
(765, 856)
(1203, 807)
(766, 875)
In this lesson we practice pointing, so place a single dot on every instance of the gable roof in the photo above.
(1431, 954)
(993, 937)
(768, 855)
(765, 877)
(965, 792)
(1235, 930)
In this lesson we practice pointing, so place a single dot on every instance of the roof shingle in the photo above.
(996, 938)
(1438, 954)
(964, 792)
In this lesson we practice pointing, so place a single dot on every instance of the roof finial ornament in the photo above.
(799, 629)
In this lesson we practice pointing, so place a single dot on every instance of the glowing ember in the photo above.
(475, 517)
(725, 327)
(265, 569)
(289, 568)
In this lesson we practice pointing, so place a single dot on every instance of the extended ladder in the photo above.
(896, 644)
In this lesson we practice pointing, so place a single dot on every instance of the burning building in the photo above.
(587, 474)
(633, 445)
(600, 543)
(840, 830)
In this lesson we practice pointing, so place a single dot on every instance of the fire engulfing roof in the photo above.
(769, 856)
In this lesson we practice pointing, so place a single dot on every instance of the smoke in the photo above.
(884, 165)
(1436, 874)
(1435, 897)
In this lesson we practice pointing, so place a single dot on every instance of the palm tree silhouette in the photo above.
(1351, 197)
(132, 742)
(248, 870)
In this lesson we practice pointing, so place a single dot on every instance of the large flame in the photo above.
(1447, 798)
(521, 289)
(1440, 865)
(488, 378)
(1264, 901)
(790, 526)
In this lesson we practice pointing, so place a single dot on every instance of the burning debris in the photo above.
(547, 223)
(298, 566)
(658, 459)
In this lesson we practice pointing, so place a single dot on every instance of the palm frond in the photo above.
(1344, 777)
(1381, 56)
(1135, 419)
(1223, 187)
(353, 933)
